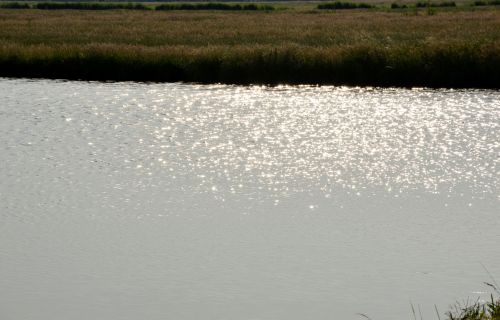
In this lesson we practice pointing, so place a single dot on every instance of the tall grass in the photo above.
(460, 49)
(476, 311)
(360, 65)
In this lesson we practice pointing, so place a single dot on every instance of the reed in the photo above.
(475, 310)
(454, 49)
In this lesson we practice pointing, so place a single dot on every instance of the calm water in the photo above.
(174, 201)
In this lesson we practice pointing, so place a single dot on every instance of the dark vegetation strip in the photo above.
(89, 6)
(218, 6)
(435, 4)
(343, 5)
(214, 6)
(74, 5)
(457, 66)
(134, 6)
(487, 3)
(425, 5)
(398, 6)
(14, 5)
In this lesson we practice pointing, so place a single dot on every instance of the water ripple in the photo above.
(257, 142)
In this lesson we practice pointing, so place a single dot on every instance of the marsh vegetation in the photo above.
(357, 47)
(489, 310)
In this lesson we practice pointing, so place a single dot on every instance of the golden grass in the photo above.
(199, 29)
(387, 43)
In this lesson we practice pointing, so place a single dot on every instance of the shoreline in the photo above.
(447, 50)
(447, 67)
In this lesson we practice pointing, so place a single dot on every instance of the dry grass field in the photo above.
(361, 47)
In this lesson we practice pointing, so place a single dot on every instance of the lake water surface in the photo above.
(180, 201)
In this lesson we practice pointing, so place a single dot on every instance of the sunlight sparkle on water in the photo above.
(182, 201)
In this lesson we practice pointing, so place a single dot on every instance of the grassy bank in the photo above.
(449, 49)
(490, 310)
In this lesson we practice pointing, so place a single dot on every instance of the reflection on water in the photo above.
(187, 201)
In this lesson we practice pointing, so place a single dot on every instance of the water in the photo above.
(178, 201)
